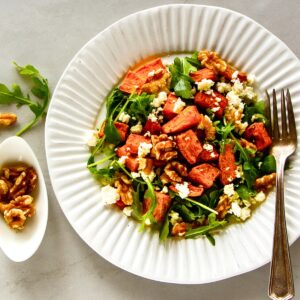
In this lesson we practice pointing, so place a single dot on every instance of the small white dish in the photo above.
(19, 246)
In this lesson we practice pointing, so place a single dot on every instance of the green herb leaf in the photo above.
(244, 192)
(140, 106)
(39, 89)
(269, 165)
(203, 230)
(111, 133)
(181, 82)
(165, 229)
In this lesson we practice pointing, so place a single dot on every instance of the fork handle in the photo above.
(281, 285)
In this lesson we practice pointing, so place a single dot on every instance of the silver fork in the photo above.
(281, 284)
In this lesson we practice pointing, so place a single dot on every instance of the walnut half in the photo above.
(7, 119)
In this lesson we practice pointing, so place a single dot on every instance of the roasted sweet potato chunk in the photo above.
(204, 174)
(229, 72)
(163, 202)
(134, 80)
(123, 151)
(206, 155)
(134, 141)
(227, 165)
(187, 119)
(121, 127)
(189, 145)
(132, 163)
(169, 107)
(257, 134)
(205, 73)
(152, 127)
(194, 191)
(215, 101)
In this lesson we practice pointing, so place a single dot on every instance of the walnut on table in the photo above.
(7, 119)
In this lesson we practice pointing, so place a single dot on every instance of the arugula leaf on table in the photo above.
(39, 89)
(213, 224)
(181, 82)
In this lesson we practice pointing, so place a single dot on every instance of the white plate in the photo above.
(74, 109)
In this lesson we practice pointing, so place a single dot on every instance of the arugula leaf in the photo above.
(165, 229)
(213, 223)
(39, 89)
(114, 100)
(111, 133)
(269, 165)
(223, 132)
(151, 195)
(244, 192)
(193, 60)
(181, 82)
(140, 106)
(249, 169)
(137, 205)
(255, 113)
(105, 175)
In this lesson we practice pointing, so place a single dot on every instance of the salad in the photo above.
(184, 147)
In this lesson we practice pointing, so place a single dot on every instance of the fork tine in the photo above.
(268, 114)
(292, 122)
(275, 118)
(283, 115)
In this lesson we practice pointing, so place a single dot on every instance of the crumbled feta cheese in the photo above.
(160, 99)
(147, 222)
(251, 78)
(205, 84)
(152, 117)
(215, 109)
(92, 138)
(135, 174)
(144, 149)
(178, 105)
(136, 128)
(249, 92)
(233, 99)
(109, 194)
(235, 75)
(174, 217)
(149, 176)
(261, 196)
(223, 87)
(238, 86)
(237, 173)
(124, 117)
(151, 73)
(122, 159)
(229, 189)
(245, 213)
(165, 190)
(147, 133)
(127, 211)
(235, 209)
(230, 179)
(212, 154)
(209, 92)
(182, 189)
(208, 147)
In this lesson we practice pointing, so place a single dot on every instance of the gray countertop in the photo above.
(47, 34)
